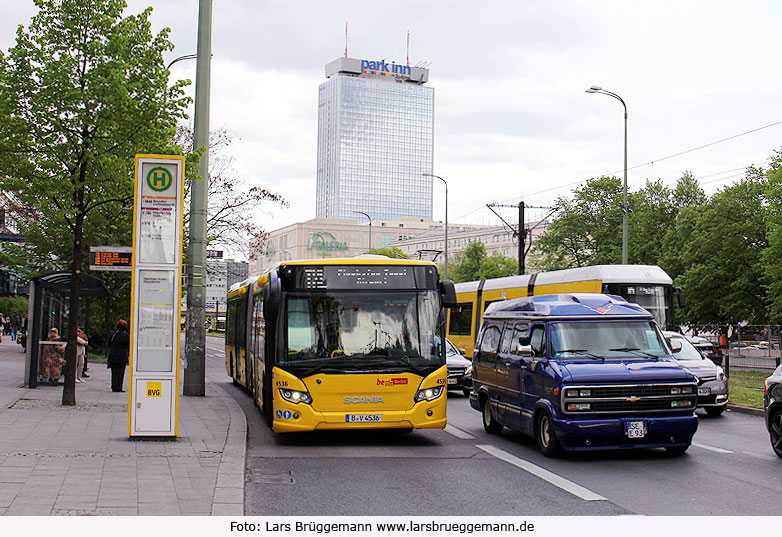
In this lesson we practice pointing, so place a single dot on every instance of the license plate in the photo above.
(363, 418)
(636, 429)
(451, 381)
(704, 391)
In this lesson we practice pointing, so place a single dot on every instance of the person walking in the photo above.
(15, 323)
(119, 348)
(52, 357)
(81, 351)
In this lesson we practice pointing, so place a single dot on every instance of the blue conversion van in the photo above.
(581, 372)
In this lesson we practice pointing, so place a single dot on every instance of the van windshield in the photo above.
(615, 339)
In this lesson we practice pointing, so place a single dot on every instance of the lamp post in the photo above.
(185, 57)
(445, 276)
(370, 229)
(625, 208)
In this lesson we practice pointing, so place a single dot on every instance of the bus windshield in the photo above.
(595, 339)
(353, 331)
(649, 297)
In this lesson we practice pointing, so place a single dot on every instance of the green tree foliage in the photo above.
(721, 246)
(473, 264)
(393, 252)
(587, 229)
(14, 304)
(772, 255)
(83, 90)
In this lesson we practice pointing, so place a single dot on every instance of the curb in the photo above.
(746, 410)
(228, 499)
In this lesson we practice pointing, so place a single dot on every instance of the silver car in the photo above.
(712, 382)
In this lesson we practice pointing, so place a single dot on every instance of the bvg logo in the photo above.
(159, 179)
(154, 389)
(392, 382)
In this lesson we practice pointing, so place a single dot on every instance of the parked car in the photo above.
(772, 400)
(707, 348)
(581, 372)
(712, 382)
(459, 369)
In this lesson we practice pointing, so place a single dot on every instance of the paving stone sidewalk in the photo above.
(57, 460)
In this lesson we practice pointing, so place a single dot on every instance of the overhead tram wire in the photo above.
(651, 162)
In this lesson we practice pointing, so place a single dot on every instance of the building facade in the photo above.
(375, 140)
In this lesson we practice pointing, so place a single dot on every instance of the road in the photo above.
(729, 470)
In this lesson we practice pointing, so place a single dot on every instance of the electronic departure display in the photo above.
(111, 260)
(359, 277)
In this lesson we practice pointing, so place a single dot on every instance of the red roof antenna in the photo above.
(346, 39)
(408, 48)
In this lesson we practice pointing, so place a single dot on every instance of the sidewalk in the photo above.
(57, 460)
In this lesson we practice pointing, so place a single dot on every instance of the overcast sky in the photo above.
(512, 119)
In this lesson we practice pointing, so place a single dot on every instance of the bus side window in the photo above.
(460, 320)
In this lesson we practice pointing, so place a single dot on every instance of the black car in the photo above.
(773, 409)
(459, 370)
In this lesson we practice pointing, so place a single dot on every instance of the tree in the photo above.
(474, 264)
(393, 252)
(230, 220)
(721, 246)
(83, 90)
(772, 255)
(587, 229)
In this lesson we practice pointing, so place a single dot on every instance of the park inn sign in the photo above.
(323, 241)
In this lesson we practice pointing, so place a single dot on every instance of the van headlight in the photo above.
(428, 394)
(296, 397)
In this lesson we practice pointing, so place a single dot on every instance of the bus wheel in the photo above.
(489, 423)
(547, 438)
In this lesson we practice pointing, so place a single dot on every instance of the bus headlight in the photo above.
(428, 394)
(295, 397)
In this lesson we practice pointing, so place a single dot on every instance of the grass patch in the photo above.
(746, 387)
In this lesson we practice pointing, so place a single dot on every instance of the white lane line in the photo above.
(760, 456)
(458, 433)
(711, 448)
(542, 473)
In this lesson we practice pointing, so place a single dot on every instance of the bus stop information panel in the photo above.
(157, 283)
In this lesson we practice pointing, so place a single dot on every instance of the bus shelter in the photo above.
(49, 309)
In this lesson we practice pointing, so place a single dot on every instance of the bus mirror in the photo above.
(680, 297)
(272, 295)
(448, 293)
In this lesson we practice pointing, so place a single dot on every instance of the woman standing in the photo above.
(52, 357)
(81, 352)
(119, 348)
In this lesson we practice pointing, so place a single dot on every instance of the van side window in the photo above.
(507, 340)
(537, 341)
(490, 340)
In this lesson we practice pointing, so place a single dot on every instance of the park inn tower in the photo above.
(375, 140)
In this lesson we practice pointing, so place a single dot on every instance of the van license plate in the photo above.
(363, 418)
(636, 429)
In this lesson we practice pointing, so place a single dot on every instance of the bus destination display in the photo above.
(356, 277)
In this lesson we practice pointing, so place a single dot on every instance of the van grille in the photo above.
(634, 398)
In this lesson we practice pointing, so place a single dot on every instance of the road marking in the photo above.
(711, 448)
(761, 456)
(542, 473)
(458, 433)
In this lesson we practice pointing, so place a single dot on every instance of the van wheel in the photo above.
(491, 425)
(548, 443)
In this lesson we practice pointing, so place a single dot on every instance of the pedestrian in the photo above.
(119, 348)
(53, 357)
(81, 351)
(15, 323)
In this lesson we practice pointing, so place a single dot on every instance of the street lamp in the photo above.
(445, 276)
(370, 229)
(625, 207)
(186, 57)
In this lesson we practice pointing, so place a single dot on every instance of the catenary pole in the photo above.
(195, 335)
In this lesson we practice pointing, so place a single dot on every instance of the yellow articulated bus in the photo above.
(342, 343)
(646, 285)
